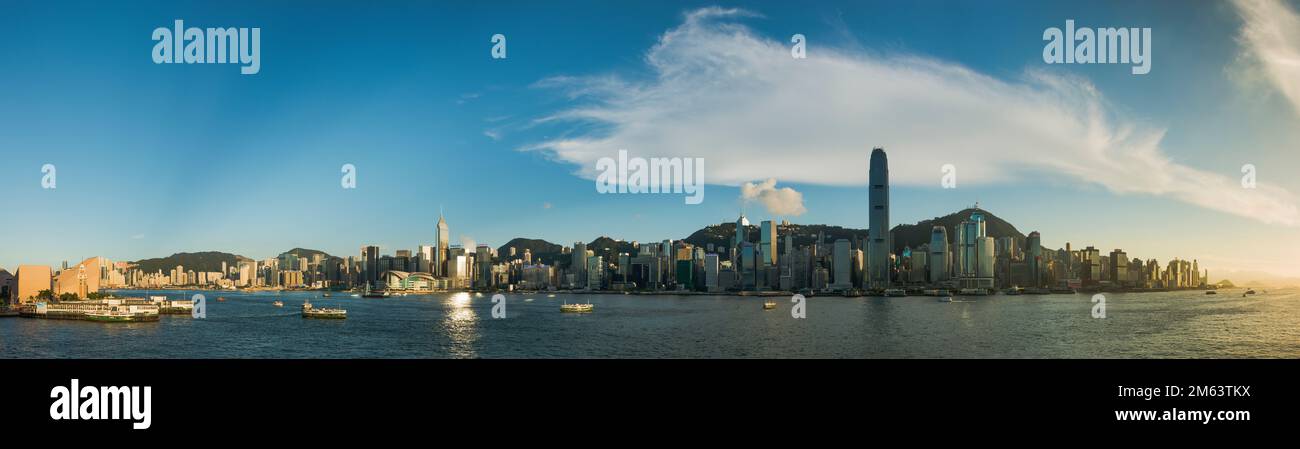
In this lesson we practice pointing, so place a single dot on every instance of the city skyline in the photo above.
(975, 262)
(150, 178)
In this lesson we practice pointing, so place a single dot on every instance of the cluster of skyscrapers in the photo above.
(964, 257)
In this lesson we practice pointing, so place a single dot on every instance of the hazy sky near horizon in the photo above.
(157, 159)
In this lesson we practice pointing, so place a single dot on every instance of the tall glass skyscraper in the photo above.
(938, 254)
(768, 242)
(1034, 249)
(880, 245)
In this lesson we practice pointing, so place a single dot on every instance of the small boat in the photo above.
(322, 313)
(769, 305)
(1211, 292)
(278, 303)
(552, 295)
(1250, 292)
(945, 299)
(221, 299)
(1013, 291)
(326, 295)
(576, 308)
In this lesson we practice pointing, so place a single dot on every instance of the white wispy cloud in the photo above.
(1270, 38)
(720, 91)
(778, 201)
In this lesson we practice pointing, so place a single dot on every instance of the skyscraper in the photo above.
(938, 254)
(424, 260)
(768, 242)
(842, 265)
(579, 265)
(741, 223)
(880, 243)
(370, 254)
(1034, 246)
(441, 244)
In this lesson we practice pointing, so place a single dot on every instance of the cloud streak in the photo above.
(1270, 37)
(719, 91)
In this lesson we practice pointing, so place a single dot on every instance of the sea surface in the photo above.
(1186, 324)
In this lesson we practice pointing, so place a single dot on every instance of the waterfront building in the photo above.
(881, 245)
(918, 266)
(748, 274)
(579, 264)
(742, 224)
(1119, 268)
(483, 264)
(370, 264)
(31, 279)
(441, 239)
(1034, 246)
(840, 262)
(595, 268)
(424, 259)
(767, 238)
(83, 278)
(1090, 265)
(974, 258)
(7, 287)
(711, 272)
(938, 259)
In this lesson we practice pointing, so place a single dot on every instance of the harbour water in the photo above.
(1185, 324)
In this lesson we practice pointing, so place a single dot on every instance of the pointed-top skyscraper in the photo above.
(442, 244)
(880, 243)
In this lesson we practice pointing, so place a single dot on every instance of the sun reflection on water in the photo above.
(460, 321)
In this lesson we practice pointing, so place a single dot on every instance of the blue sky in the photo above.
(156, 159)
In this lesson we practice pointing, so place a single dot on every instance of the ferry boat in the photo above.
(278, 303)
(115, 315)
(1013, 291)
(576, 308)
(323, 313)
(1063, 290)
(374, 294)
(945, 299)
(895, 292)
(974, 292)
(769, 305)
(935, 292)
